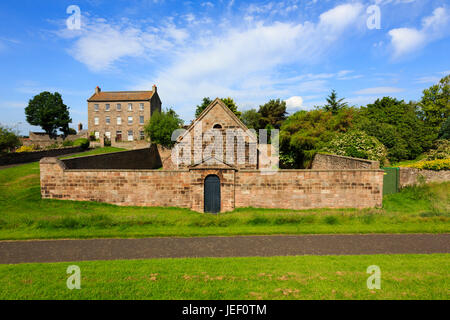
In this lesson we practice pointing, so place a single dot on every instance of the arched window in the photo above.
(217, 126)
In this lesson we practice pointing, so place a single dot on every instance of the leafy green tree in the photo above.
(229, 102)
(48, 111)
(435, 103)
(304, 133)
(444, 132)
(397, 126)
(161, 126)
(272, 113)
(206, 102)
(8, 139)
(357, 144)
(334, 104)
(251, 119)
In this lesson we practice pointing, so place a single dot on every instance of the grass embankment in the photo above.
(300, 277)
(24, 215)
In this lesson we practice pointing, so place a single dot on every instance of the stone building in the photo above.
(211, 182)
(120, 116)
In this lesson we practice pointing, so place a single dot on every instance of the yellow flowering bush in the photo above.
(26, 149)
(439, 164)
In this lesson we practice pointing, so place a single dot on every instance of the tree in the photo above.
(48, 111)
(161, 126)
(444, 132)
(304, 133)
(8, 139)
(334, 105)
(397, 126)
(206, 102)
(435, 103)
(251, 119)
(229, 102)
(272, 113)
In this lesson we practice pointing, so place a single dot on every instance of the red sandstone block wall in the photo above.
(289, 189)
(303, 189)
(121, 187)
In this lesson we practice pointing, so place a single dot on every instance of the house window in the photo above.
(96, 121)
(141, 119)
(217, 126)
(141, 135)
(141, 106)
(119, 107)
(130, 135)
(130, 120)
(107, 107)
(119, 120)
(96, 107)
(108, 120)
(97, 135)
(130, 107)
(108, 135)
(118, 135)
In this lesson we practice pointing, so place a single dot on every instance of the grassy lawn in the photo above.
(299, 277)
(24, 215)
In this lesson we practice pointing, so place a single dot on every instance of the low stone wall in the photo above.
(304, 189)
(135, 159)
(120, 187)
(412, 176)
(24, 157)
(289, 189)
(331, 161)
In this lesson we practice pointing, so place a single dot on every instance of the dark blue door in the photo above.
(212, 194)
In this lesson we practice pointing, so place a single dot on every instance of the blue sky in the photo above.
(297, 51)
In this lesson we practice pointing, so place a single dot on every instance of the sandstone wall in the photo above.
(120, 187)
(412, 176)
(330, 161)
(289, 189)
(303, 189)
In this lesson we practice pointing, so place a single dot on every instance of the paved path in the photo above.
(236, 246)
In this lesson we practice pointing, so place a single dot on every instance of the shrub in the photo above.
(67, 143)
(82, 142)
(441, 150)
(8, 139)
(25, 149)
(437, 165)
(357, 144)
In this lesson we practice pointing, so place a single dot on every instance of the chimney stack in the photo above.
(80, 127)
(154, 88)
(97, 89)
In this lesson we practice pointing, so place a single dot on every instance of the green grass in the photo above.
(405, 163)
(95, 151)
(299, 277)
(24, 215)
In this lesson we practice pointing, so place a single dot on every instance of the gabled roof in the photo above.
(220, 103)
(212, 162)
(121, 96)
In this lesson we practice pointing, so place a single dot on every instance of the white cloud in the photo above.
(407, 40)
(379, 90)
(428, 79)
(294, 102)
(243, 62)
(100, 44)
(207, 4)
(239, 60)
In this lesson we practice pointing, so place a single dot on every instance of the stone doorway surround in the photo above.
(226, 174)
